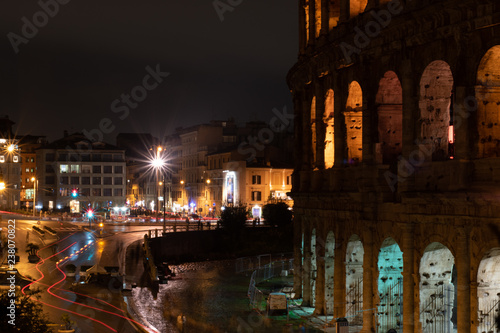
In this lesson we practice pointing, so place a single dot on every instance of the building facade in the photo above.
(76, 174)
(395, 181)
(28, 146)
(255, 184)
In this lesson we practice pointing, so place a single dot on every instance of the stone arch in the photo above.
(436, 111)
(357, 7)
(354, 123)
(328, 120)
(389, 102)
(488, 107)
(438, 289)
(314, 268)
(488, 291)
(354, 280)
(329, 272)
(390, 286)
(313, 130)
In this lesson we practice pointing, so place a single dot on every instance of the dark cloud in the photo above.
(91, 52)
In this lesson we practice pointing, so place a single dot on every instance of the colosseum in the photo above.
(397, 174)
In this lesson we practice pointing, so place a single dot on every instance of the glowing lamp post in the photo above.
(158, 163)
(35, 183)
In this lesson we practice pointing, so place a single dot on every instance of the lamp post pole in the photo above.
(35, 182)
(164, 210)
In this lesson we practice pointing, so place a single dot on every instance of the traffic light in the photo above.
(90, 213)
(74, 193)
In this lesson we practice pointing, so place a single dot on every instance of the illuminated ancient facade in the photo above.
(396, 181)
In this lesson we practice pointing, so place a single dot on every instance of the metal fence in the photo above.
(265, 272)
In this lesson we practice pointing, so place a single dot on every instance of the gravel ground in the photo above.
(211, 297)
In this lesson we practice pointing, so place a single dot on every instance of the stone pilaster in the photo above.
(462, 262)
(306, 270)
(320, 276)
(320, 127)
(297, 256)
(339, 288)
(302, 27)
(368, 283)
(312, 22)
(408, 279)
(345, 10)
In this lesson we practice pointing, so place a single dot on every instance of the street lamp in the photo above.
(35, 183)
(206, 196)
(158, 163)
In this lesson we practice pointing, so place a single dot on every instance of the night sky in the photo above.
(80, 61)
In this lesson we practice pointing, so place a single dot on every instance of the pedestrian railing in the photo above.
(266, 272)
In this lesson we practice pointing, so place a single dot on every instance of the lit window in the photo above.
(64, 168)
(2, 159)
(15, 159)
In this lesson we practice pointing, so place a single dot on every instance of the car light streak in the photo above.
(53, 286)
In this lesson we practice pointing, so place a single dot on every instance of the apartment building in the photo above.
(75, 174)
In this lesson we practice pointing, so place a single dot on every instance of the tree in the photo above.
(277, 214)
(233, 218)
(32, 248)
(29, 316)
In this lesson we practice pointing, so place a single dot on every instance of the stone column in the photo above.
(339, 289)
(298, 144)
(345, 10)
(306, 269)
(320, 127)
(312, 22)
(462, 262)
(372, 4)
(297, 255)
(320, 276)
(369, 113)
(302, 27)
(325, 17)
(368, 292)
(306, 133)
(339, 124)
(462, 118)
(408, 278)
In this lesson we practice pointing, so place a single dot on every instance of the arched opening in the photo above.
(436, 111)
(488, 108)
(317, 10)
(357, 7)
(354, 281)
(328, 120)
(329, 270)
(333, 13)
(488, 291)
(314, 269)
(354, 123)
(313, 130)
(390, 118)
(438, 289)
(390, 286)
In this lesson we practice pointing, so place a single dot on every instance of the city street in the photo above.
(98, 308)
